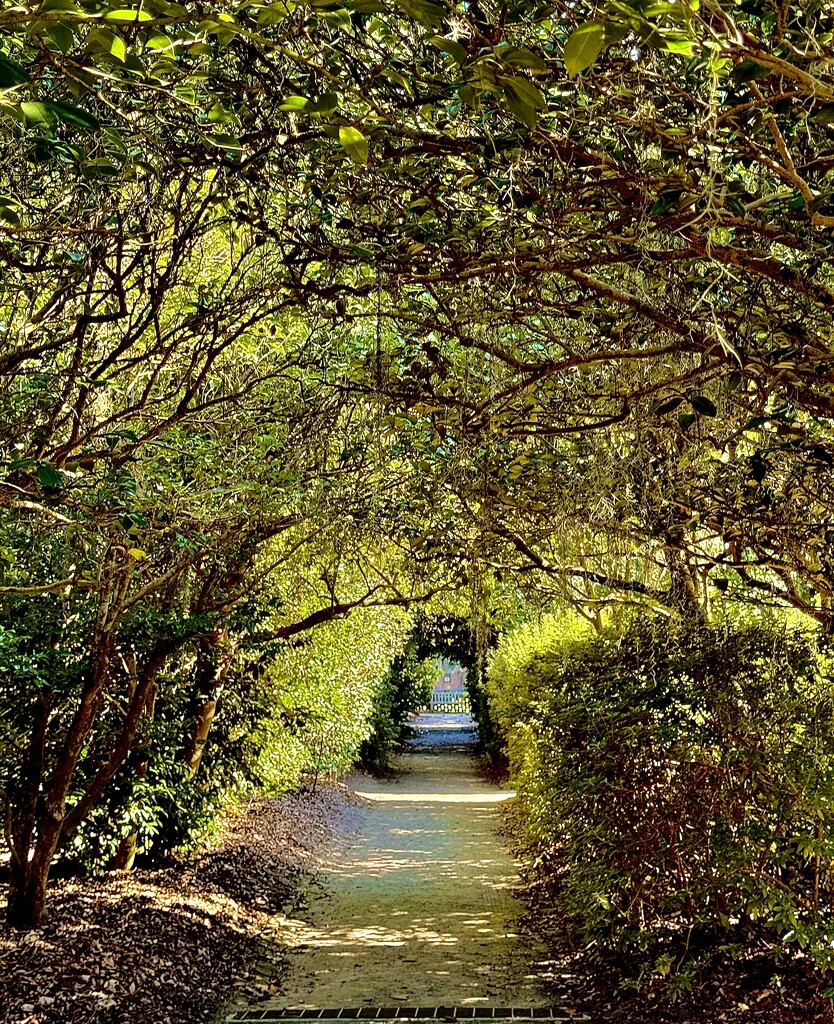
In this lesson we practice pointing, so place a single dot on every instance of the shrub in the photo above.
(685, 773)
(407, 686)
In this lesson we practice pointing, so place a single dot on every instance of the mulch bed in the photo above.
(176, 944)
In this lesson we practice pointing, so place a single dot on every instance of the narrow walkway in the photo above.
(417, 909)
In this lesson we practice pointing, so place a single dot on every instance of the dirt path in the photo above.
(417, 908)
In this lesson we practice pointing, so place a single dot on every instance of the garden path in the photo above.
(417, 907)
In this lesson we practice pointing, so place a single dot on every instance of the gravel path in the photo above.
(417, 907)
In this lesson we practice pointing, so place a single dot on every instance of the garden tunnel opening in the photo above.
(453, 640)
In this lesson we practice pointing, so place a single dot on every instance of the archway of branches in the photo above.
(336, 335)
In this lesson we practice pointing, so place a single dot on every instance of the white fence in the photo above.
(449, 701)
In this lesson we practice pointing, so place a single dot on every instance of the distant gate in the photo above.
(449, 702)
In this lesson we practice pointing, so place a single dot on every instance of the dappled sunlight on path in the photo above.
(417, 907)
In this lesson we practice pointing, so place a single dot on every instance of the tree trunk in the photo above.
(27, 891)
(126, 852)
(142, 694)
(214, 662)
(27, 896)
(27, 888)
(684, 595)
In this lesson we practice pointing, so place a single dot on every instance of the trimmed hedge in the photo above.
(683, 776)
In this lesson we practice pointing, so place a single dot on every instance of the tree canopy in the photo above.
(315, 307)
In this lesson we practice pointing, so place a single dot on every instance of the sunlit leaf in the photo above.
(128, 14)
(224, 141)
(584, 46)
(525, 91)
(354, 144)
(455, 49)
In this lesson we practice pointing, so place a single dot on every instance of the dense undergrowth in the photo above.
(677, 780)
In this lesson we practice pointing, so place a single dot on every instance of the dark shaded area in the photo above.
(171, 945)
(604, 985)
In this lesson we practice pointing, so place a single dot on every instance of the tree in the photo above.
(442, 294)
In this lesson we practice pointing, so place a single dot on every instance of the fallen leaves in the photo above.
(175, 944)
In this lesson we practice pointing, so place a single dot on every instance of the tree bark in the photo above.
(126, 852)
(215, 660)
(27, 890)
(684, 595)
(144, 685)
(27, 896)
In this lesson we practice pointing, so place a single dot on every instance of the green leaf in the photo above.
(519, 57)
(664, 203)
(72, 115)
(525, 91)
(13, 111)
(295, 103)
(101, 167)
(455, 49)
(703, 406)
(128, 14)
(274, 13)
(749, 71)
(118, 48)
(615, 33)
(67, 6)
(61, 37)
(337, 19)
(38, 115)
(521, 110)
(326, 104)
(99, 41)
(584, 46)
(825, 114)
(223, 141)
(354, 144)
(427, 14)
(11, 73)
(219, 115)
(667, 405)
(9, 216)
(682, 46)
(158, 42)
(49, 476)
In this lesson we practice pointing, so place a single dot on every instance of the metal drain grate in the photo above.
(404, 1013)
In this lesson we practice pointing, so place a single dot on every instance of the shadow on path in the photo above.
(417, 907)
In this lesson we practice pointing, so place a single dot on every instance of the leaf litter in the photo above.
(174, 944)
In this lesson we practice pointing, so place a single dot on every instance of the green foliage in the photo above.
(683, 774)
(307, 308)
(406, 687)
(326, 696)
